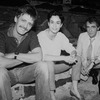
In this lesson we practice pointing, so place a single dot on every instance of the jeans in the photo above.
(60, 68)
(37, 71)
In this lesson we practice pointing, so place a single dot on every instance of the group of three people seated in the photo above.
(26, 56)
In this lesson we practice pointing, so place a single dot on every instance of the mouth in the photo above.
(54, 29)
(23, 28)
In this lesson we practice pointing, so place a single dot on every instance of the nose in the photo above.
(54, 25)
(26, 25)
(90, 29)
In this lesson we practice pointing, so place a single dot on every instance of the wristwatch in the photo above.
(16, 53)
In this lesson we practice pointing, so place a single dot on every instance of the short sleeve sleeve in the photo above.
(34, 41)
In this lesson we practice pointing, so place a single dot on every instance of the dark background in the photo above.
(75, 13)
(87, 3)
(12, 3)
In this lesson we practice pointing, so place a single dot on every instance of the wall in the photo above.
(73, 21)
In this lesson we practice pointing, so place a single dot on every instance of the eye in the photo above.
(51, 22)
(58, 22)
(93, 26)
(23, 20)
(30, 24)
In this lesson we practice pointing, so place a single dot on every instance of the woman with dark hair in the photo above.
(52, 41)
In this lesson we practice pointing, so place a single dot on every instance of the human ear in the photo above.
(48, 23)
(15, 19)
(61, 25)
(98, 28)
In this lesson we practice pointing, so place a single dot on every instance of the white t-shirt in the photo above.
(54, 47)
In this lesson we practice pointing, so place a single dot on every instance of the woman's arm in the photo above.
(67, 59)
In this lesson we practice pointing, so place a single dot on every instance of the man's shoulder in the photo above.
(98, 33)
(84, 34)
(32, 34)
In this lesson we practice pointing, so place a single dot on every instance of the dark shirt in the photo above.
(8, 43)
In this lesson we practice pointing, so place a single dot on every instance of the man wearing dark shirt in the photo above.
(20, 56)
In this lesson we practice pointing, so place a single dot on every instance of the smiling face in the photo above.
(92, 29)
(23, 24)
(54, 24)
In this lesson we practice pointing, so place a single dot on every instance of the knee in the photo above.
(79, 60)
(3, 74)
(42, 68)
(78, 64)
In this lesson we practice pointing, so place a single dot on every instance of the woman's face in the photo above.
(55, 24)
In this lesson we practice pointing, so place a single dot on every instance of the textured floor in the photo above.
(87, 89)
(62, 93)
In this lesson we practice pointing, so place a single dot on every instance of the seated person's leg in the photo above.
(55, 68)
(5, 85)
(51, 76)
(76, 70)
(62, 67)
(39, 73)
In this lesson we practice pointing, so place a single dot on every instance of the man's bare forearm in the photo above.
(9, 63)
(29, 57)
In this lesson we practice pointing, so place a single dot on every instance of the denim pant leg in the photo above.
(51, 76)
(39, 73)
(56, 69)
(76, 70)
(5, 85)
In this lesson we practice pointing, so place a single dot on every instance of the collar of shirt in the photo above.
(95, 44)
(98, 32)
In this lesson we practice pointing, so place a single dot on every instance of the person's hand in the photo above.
(73, 54)
(97, 61)
(69, 59)
(86, 70)
(10, 55)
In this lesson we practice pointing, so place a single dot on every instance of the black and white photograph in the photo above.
(50, 50)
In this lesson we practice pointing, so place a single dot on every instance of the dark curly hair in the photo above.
(28, 9)
(55, 13)
(92, 19)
